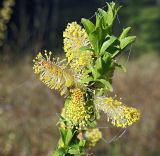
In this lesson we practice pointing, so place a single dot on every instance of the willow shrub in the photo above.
(84, 78)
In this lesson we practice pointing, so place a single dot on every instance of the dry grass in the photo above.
(28, 112)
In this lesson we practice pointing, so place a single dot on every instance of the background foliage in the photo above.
(39, 24)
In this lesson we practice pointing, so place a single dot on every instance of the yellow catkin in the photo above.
(76, 110)
(75, 37)
(119, 114)
(52, 73)
(93, 135)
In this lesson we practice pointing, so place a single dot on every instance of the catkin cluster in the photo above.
(76, 110)
(86, 81)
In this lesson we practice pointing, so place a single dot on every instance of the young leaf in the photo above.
(87, 80)
(124, 33)
(82, 143)
(96, 73)
(94, 39)
(116, 52)
(97, 70)
(126, 41)
(99, 64)
(107, 43)
(74, 149)
(104, 15)
(112, 12)
(63, 134)
(98, 20)
(59, 152)
(68, 136)
(107, 84)
(88, 25)
(106, 56)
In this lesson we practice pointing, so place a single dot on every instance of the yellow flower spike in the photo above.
(93, 135)
(119, 114)
(76, 110)
(75, 37)
(52, 73)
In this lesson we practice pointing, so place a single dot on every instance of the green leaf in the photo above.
(124, 33)
(124, 41)
(108, 61)
(98, 20)
(112, 12)
(94, 39)
(104, 14)
(88, 25)
(63, 134)
(66, 135)
(99, 64)
(127, 41)
(87, 80)
(110, 17)
(116, 52)
(74, 149)
(106, 83)
(98, 68)
(68, 138)
(82, 143)
(96, 74)
(107, 57)
(107, 43)
(59, 152)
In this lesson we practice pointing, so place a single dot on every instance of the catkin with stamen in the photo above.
(119, 114)
(76, 37)
(52, 73)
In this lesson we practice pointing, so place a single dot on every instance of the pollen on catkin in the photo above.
(92, 135)
(53, 73)
(76, 110)
(76, 37)
(119, 114)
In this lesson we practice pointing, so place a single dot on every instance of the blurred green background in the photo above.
(29, 110)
